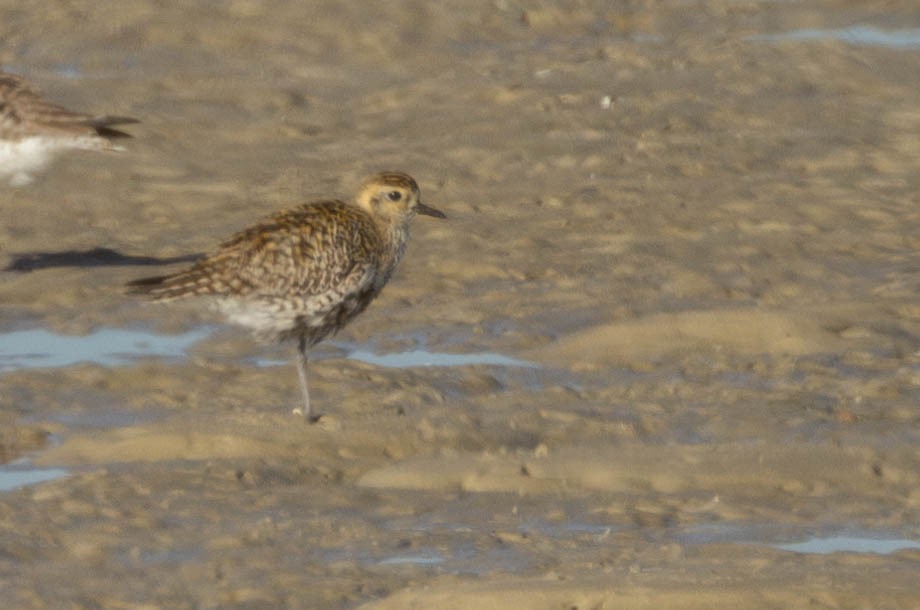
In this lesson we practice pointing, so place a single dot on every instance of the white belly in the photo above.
(20, 159)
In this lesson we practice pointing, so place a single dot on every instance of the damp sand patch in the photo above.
(744, 331)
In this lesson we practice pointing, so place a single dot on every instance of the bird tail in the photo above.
(170, 287)
(104, 126)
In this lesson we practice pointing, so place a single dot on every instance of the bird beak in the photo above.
(421, 208)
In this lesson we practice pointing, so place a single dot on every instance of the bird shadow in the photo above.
(94, 257)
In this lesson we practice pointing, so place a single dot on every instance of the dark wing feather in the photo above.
(303, 251)
(24, 112)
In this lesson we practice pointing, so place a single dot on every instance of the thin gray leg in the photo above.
(302, 373)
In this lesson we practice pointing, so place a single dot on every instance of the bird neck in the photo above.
(395, 237)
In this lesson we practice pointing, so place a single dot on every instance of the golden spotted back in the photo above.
(308, 270)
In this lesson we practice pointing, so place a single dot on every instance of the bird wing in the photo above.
(306, 251)
(22, 109)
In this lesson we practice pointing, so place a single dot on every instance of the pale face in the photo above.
(394, 196)
(388, 201)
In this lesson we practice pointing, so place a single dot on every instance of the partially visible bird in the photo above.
(306, 271)
(33, 130)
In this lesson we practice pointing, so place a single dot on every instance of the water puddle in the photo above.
(13, 477)
(570, 529)
(417, 357)
(856, 35)
(849, 544)
(431, 558)
(466, 554)
(774, 536)
(40, 348)
(460, 558)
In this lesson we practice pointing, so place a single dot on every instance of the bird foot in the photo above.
(324, 421)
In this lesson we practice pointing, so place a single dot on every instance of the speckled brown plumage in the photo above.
(306, 271)
(32, 130)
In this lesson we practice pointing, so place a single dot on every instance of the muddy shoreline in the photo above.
(701, 232)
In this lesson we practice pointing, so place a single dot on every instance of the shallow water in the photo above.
(39, 348)
(418, 357)
(429, 558)
(906, 39)
(850, 544)
(14, 476)
(799, 540)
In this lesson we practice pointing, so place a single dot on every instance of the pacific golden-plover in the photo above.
(306, 271)
(33, 130)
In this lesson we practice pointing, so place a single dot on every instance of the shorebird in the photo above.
(33, 130)
(307, 271)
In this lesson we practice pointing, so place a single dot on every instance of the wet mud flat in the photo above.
(664, 354)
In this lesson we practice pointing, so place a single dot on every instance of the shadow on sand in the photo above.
(94, 257)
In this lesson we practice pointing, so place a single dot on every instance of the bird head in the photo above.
(393, 197)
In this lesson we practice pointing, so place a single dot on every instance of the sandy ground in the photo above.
(706, 242)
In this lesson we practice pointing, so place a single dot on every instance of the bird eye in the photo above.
(394, 195)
